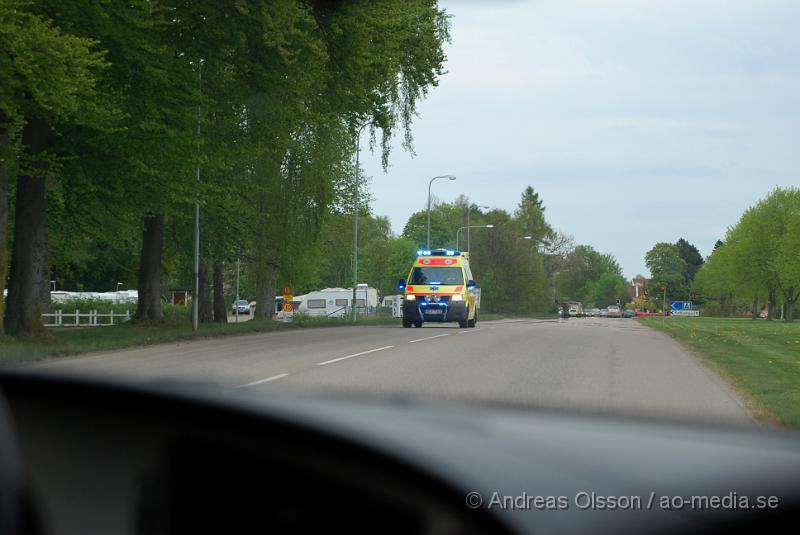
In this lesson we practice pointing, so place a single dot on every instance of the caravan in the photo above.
(336, 302)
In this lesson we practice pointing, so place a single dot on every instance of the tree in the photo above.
(385, 262)
(48, 81)
(691, 257)
(760, 254)
(667, 268)
(530, 214)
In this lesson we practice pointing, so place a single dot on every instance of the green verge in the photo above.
(66, 341)
(760, 359)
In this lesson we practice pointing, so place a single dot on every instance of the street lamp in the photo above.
(355, 219)
(469, 209)
(449, 177)
(469, 227)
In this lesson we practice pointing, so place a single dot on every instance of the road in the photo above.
(601, 365)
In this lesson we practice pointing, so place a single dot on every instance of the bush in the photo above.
(711, 309)
(85, 305)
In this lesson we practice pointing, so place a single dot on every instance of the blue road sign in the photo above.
(680, 305)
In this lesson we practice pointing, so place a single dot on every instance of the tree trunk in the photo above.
(3, 214)
(791, 300)
(265, 292)
(27, 287)
(149, 305)
(771, 305)
(205, 312)
(755, 309)
(220, 308)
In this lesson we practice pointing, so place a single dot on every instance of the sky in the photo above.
(636, 121)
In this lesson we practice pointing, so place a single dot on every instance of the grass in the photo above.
(175, 327)
(760, 359)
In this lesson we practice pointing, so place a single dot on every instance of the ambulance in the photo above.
(439, 289)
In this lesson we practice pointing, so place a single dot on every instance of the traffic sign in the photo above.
(694, 313)
(680, 305)
(287, 307)
(287, 294)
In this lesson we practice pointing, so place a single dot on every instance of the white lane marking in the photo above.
(428, 338)
(267, 380)
(353, 355)
(462, 332)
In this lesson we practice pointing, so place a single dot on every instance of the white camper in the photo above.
(336, 302)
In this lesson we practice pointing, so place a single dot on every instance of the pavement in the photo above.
(600, 365)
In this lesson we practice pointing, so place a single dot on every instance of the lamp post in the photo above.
(469, 209)
(355, 219)
(238, 269)
(196, 292)
(469, 227)
(555, 295)
(449, 177)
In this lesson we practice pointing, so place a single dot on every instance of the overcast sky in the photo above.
(636, 121)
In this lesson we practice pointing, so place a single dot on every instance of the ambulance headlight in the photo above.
(457, 297)
(411, 297)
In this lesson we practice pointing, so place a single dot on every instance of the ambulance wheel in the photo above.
(407, 323)
(473, 321)
(418, 323)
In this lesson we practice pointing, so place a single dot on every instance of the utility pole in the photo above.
(196, 295)
(355, 220)
(238, 267)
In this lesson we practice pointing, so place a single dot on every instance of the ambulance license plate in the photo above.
(434, 311)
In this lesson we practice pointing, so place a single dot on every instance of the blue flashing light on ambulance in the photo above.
(440, 288)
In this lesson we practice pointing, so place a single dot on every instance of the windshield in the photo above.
(444, 276)
(179, 171)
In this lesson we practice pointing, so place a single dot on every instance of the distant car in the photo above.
(589, 312)
(572, 311)
(603, 313)
(596, 312)
(628, 314)
(614, 311)
(242, 305)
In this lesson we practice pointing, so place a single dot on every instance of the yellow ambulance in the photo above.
(439, 288)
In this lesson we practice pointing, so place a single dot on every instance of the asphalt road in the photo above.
(601, 365)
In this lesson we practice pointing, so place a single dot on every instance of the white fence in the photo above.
(73, 319)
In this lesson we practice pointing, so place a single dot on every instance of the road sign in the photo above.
(287, 307)
(680, 305)
(694, 313)
(287, 294)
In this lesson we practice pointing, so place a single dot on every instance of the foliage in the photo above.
(759, 258)
(667, 268)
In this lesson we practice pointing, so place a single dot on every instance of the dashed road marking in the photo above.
(353, 355)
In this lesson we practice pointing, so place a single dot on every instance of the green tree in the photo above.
(667, 268)
(47, 83)
(691, 256)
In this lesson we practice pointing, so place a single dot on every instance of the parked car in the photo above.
(614, 311)
(589, 312)
(242, 305)
(628, 314)
(603, 313)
